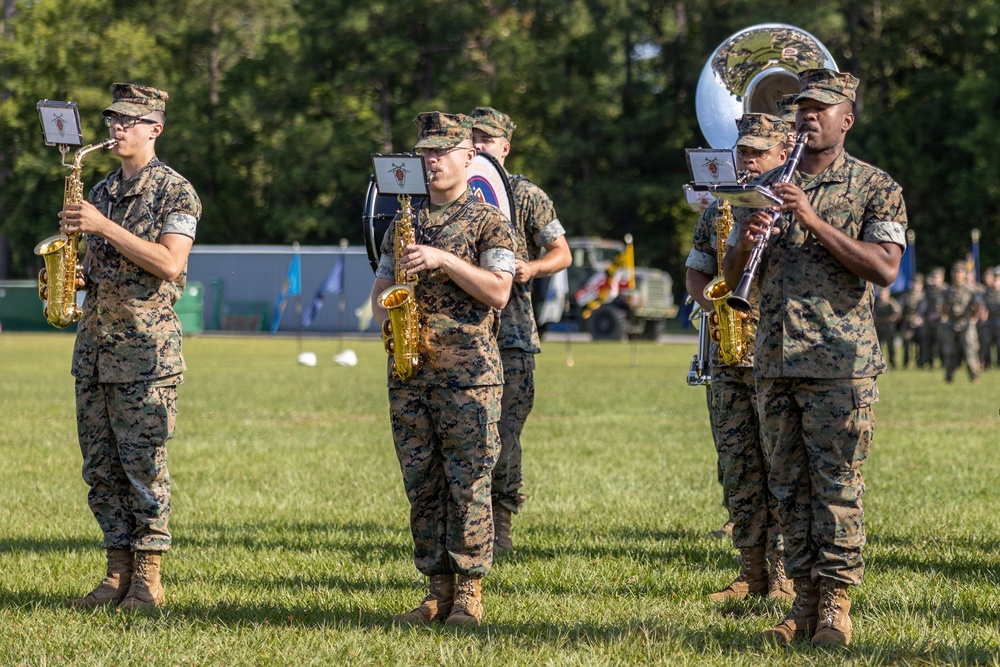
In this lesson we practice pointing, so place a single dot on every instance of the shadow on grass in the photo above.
(355, 540)
(46, 545)
(924, 555)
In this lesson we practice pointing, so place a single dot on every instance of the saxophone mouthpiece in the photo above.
(109, 143)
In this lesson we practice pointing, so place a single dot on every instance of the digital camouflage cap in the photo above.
(129, 99)
(787, 107)
(827, 86)
(761, 131)
(442, 130)
(492, 122)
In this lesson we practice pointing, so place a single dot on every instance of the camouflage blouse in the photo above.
(537, 227)
(457, 346)
(816, 315)
(129, 331)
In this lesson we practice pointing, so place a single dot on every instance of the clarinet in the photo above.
(740, 298)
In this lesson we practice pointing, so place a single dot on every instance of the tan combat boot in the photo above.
(468, 607)
(801, 620)
(435, 607)
(146, 590)
(779, 586)
(834, 624)
(115, 584)
(752, 579)
(502, 542)
(722, 532)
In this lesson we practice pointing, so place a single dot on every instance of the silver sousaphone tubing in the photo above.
(749, 72)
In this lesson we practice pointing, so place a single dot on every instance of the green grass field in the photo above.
(292, 547)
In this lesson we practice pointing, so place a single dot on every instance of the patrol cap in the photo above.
(492, 122)
(786, 107)
(442, 130)
(129, 99)
(827, 86)
(761, 131)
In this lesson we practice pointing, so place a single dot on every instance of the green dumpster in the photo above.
(189, 309)
(21, 309)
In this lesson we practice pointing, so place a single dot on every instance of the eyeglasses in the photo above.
(126, 122)
(440, 152)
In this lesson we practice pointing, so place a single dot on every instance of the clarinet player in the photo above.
(817, 355)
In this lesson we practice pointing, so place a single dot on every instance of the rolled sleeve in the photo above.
(497, 259)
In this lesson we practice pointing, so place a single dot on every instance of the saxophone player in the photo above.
(140, 224)
(444, 418)
(743, 466)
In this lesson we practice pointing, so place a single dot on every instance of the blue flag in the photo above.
(907, 269)
(334, 284)
(291, 286)
(975, 254)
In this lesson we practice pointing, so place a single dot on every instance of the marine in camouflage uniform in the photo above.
(912, 320)
(930, 311)
(538, 232)
(817, 354)
(444, 419)
(990, 342)
(140, 223)
(744, 463)
(960, 310)
(887, 313)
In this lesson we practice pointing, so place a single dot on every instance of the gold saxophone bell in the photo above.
(62, 276)
(400, 332)
(729, 328)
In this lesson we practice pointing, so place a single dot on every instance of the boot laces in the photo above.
(830, 606)
(464, 592)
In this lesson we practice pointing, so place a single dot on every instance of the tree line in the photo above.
(276, 105)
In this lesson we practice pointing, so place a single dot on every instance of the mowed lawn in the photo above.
(292, 547)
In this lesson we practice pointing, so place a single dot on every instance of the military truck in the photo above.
(642, 312)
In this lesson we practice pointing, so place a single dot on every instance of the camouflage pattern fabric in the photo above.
(447, 443)
(457, 332)
(742, 458)
(930, 341)
(537, 227)
(990, 339)
(819, 433)
(518, 399)
(127, 360)
(887, 314)
(444, 420)
(129, 331)
(817, 356)
(959, 340)
(123, 431)
(742, 463)
(815, 315)
(909, 301)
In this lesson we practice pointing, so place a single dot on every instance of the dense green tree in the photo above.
(276, 105)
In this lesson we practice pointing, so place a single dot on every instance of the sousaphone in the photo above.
(749, 72)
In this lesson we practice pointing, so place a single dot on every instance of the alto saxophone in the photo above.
(730, 328)
(400, 331)
(62, 276)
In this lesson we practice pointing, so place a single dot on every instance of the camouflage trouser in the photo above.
(518, 399)
(123, 431)
(819, 433)
(712, 419)
(743, 461)
(447, 443)
(959, 345)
